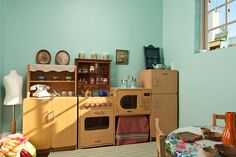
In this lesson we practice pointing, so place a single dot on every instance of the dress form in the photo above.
(13, 87)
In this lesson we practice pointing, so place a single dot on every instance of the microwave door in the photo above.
(129, 102)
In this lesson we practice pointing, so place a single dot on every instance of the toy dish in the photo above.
(68, 78)
(43, 57)
(209, 151)
(226, 150)
(214, 136)
(205, 130)
(62, 57)
(55, 77)
(41, 77)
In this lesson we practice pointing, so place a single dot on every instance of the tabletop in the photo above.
(179, 148)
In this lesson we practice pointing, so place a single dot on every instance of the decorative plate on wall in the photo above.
(43, 57)
(62, 57)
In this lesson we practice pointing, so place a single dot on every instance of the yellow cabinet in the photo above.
(164, 107)
(50, 122)
(36, 125)
(164, 87)
(159, 81)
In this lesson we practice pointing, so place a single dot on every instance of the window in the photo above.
(219, 24)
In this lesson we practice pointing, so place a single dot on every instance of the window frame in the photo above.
(204, 25)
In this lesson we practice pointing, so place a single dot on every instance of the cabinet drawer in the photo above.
(164, 81)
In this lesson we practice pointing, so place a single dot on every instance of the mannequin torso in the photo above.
(13, 86)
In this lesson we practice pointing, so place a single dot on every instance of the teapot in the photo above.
(157, 66)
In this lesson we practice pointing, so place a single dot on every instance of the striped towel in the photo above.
(132, 129)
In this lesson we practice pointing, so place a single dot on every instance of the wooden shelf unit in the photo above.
(93, 74)
(54, 77)
(50, 123)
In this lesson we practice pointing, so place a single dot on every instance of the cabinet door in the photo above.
(64, 126)
(164, 107)
(96, 127)
(164, 81)
(36, 125)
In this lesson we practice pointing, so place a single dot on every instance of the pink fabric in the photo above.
(132, 129)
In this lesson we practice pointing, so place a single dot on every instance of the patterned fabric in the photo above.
(132, 129)
(178, 148)
(16, 145)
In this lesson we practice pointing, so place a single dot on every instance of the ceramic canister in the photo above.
(94, 55)
(82, 55)
(229, 133)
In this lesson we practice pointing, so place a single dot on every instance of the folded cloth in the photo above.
(16, 145)
(188, 136)
(132, 129)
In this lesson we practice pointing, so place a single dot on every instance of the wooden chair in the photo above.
(216, 117)
(160, 140)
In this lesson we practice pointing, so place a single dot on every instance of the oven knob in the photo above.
(109, 104)
(98, 104)
(104, 104)
(92, 104)
(87, 105)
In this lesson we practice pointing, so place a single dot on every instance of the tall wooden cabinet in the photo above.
(51, 122)
(164, 86)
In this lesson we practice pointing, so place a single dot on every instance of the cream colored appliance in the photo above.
(132, 101)
(164, 87)
(96, 121)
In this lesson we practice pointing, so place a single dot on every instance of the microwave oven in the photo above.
(132, 101)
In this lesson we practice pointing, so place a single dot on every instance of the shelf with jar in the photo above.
(93, 74)
(58, 80)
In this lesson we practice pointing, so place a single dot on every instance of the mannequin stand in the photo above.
(13, 124)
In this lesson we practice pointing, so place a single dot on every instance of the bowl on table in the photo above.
(226, 150)
(209, 151)
(205, 130)
(214, 136)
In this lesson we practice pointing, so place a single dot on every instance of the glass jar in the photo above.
(91, 80)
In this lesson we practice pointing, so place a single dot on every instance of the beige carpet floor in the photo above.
(132, 150)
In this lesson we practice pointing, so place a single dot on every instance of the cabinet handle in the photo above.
(97, 141)
(51, 115)
(99, 112)
(164, 73)
(129, 111)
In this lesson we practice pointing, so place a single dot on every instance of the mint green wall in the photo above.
(207, 81)
(79, 25)
(1, 61)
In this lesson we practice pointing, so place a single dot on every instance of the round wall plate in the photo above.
(43, 57)
(62, 57)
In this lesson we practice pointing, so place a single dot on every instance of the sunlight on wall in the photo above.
(84, 25)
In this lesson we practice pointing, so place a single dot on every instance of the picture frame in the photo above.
(122, 57)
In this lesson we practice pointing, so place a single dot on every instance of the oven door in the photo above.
(129, 102)
(96, 127)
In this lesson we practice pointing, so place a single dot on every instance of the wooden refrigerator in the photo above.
(164, 87)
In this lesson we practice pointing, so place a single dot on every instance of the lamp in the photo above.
(13, 87)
